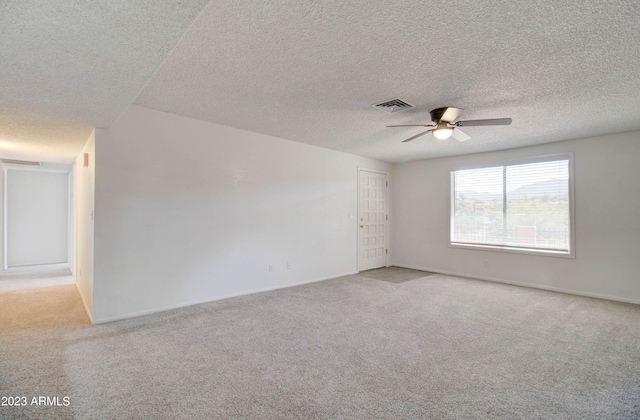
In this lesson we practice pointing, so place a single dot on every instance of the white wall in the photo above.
(83, 202)
(607, 205)
(188, 211)
(37, 216)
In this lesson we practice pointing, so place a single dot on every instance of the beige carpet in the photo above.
(35, 278)
(394, 274)
(352, 347)
(41, 309)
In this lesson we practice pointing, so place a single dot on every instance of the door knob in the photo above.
(361, 225)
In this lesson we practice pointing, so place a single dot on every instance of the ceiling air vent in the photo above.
(393, 105)
(21, 162)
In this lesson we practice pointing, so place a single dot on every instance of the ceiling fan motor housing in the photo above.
(436, 114)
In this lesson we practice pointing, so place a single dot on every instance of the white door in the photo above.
(372, 220)
(37, 217)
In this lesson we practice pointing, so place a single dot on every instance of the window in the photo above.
(517, 207)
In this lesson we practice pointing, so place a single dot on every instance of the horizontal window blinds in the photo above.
(520, 206)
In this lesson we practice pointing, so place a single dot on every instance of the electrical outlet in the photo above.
(270, 268)
(288, 266)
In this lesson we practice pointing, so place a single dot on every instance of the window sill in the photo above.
(514, 250)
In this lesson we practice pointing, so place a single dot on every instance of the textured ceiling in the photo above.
(68, 66)
(310, 71)
(41, 139)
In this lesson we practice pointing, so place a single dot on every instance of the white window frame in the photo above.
(511, 249)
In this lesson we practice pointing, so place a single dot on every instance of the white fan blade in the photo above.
(451, 114)
(417, 135)
(412, 125)
(460, 135)
(495, 121)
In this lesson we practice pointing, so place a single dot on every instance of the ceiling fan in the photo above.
(445, 127)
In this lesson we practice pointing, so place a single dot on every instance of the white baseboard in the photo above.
(517, 283)
(213, 299)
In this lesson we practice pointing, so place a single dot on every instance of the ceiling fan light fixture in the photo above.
(442, 133)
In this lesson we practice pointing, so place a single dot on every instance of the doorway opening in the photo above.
(37, 225)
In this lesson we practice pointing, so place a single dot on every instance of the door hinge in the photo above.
(387, 217)
(386, 183)
(387, 251)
